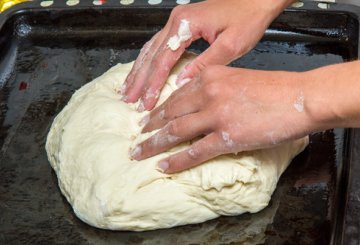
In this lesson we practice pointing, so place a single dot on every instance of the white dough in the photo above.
(88, 147)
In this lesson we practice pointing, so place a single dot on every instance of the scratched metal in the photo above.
(45, 56)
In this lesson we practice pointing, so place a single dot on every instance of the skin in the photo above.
(216, 21)
(234, 109)
(249, 110)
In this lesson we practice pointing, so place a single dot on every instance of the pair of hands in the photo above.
(247, 111)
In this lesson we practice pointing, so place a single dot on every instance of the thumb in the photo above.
(221, 52)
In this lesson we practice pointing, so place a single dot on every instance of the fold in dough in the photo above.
(88, 147)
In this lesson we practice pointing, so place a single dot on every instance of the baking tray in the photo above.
(46, 53)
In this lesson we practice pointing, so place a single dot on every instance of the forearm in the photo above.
(332, 95)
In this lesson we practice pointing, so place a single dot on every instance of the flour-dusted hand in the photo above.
(232, 28)
(229, 110)
(232, 110)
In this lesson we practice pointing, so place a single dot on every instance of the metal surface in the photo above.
(351, 222)
(46, 54)
(5, 4)
(352, 2)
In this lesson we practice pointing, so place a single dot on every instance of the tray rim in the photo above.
(308, 5)
(338, 233)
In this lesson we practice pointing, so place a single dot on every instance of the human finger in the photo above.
(140, 78)
(181, 102)
(177, 131)
(136, 81)
(139, 74)
(221, 52)
(164, 61)
(139, 62)
(199, 152)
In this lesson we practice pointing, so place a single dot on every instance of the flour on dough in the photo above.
(88, 147)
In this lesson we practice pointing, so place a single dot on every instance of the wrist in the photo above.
(305, 109)
(332, 95)
(321, 113)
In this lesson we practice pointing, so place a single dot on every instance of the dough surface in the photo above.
(88, 147)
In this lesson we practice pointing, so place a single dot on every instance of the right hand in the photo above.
(229, 110)
(231, 27)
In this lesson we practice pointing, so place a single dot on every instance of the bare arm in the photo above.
(334, 95)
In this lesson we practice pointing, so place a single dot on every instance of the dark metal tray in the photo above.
(47, 53)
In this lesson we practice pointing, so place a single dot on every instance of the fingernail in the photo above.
(144, 120)
(122, 89)
(135, 152)
(163, 166)
(182, 75)
(183, 82)
(141, 106)
(124, 98)
(149, 95)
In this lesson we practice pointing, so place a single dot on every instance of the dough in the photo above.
(88, 147)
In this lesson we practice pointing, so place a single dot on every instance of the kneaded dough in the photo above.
(88, 147)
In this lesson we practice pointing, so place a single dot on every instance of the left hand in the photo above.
(234, 110)
(231, 27)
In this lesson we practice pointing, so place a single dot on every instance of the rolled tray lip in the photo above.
(309, 5)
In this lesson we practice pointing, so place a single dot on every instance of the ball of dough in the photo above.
(88, 147)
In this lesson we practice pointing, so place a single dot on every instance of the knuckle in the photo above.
(229, 47)
(146, 46)
(165, 113)
(197, 67)
(193, 153)
(178, 13)
(161, 66)
(157, 63)
(227, 140)
(173, 128)
(210, 72)
(212, 89)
